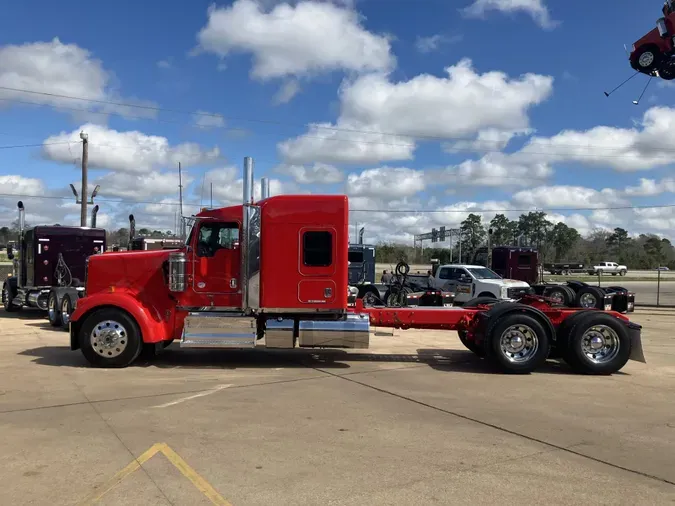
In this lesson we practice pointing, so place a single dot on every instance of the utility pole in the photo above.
(85, 160)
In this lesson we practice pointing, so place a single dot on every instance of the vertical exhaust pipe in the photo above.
(264, 188)
(247, 201)
(94, 210)
(19, 244)
(132, 230)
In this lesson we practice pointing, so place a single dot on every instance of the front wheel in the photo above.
(8, 297)
(648, 59)
(622, 272)
(518, 343)
(109, 337)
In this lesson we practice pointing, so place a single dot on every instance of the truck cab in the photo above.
(471, 281)
(511, 262)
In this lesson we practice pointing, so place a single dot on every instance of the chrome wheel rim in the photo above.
(519, 343)
(557, 296)
(369, 299)
(109, 338)
(646, 59)
(600, 344)
(65, 312)
(5, 295)
(51, 308)
(588, 300)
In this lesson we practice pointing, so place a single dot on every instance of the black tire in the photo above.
(622, 272)
(535, 334)
(67, 308)
(125, 331)
(561, 293)
(590, 297)
(8, 294)
(652, 59)
(577, 349)
(470, 345)
(54, 309)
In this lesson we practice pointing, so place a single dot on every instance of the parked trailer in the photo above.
(50, 270)
(274, 273)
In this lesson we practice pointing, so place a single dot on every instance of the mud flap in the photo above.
(636, 351)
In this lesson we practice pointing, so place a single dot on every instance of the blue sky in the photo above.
(374, 73)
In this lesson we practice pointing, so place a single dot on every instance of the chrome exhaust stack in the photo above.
(250, 243)
(264, 188)
(19, 245)
(132, 229)
(94, 210)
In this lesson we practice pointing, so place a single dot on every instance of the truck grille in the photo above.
(516, 293)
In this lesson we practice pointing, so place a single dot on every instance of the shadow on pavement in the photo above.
(174, 358)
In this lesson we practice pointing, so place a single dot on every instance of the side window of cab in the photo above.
(212, 237)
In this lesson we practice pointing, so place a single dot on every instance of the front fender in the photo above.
(150, 322)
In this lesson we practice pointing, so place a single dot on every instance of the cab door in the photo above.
(216, 264)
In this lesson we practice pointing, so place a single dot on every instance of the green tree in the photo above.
(503, 230)
(564, 238)
(535, 228)
(472, 235)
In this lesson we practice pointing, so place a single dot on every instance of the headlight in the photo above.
(504, 292)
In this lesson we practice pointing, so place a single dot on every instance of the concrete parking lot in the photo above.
(416, 419)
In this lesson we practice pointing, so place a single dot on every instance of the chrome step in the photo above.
(218, 330)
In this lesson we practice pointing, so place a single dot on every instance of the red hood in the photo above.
(124, 270)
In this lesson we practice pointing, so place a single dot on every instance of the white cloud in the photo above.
(433, 42)
(650, 187)
(568, 196)
(55, 68)
(379, 119)
(286, 93)
(386, 182)
(141, 186)
(228, 186)
(535, 8)
(495, 169)
(295, 40)
(648, 145)
(319, 173)
(206, 120)
(130, 151)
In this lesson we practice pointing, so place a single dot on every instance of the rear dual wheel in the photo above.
(517, 343)
(594, 343)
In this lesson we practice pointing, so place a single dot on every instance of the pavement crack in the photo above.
(554, 446)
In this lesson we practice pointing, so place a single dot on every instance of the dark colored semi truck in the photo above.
(50, 267)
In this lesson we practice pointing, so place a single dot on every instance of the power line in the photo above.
(304, 125)
(37, 145)
(411, 211)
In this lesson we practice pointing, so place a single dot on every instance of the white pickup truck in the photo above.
(608, 268)
(471, 281)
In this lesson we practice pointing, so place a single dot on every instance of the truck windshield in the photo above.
(483, 273)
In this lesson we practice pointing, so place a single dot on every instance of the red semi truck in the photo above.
(652, 53)
(275, 272)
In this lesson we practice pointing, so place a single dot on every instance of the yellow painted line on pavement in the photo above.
(200, 483)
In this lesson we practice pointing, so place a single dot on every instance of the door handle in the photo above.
(233, 283)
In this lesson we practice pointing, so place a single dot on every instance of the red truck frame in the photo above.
(275, 272)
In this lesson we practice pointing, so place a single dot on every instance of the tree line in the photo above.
(555, 243)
